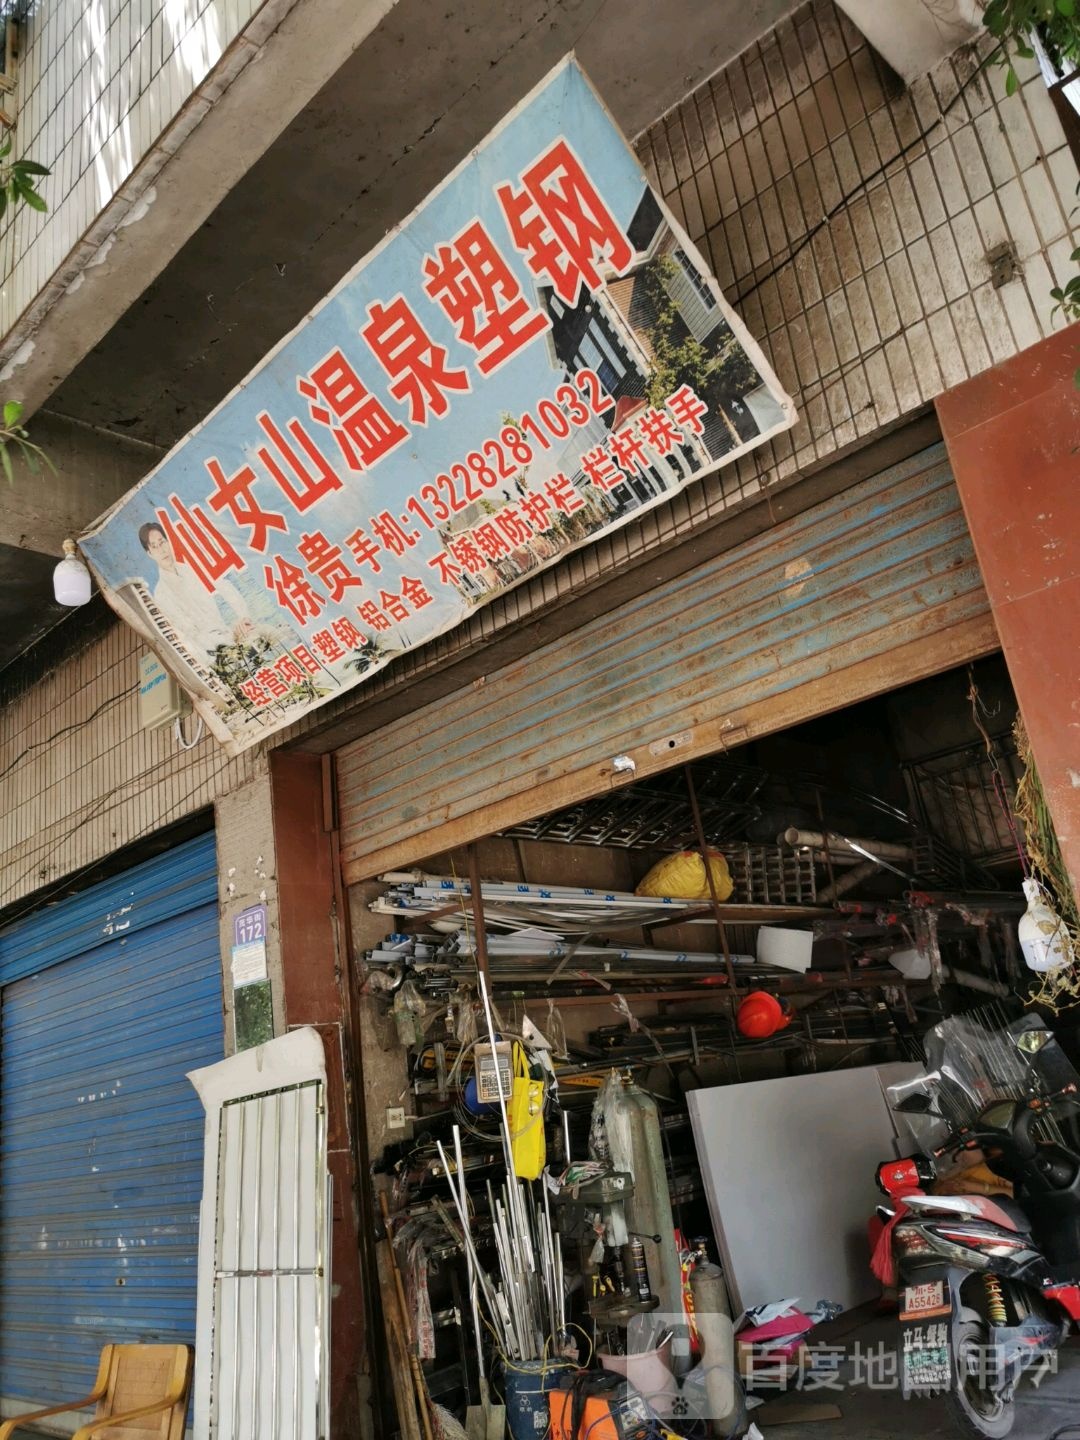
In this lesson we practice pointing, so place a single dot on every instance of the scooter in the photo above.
(989, 1285)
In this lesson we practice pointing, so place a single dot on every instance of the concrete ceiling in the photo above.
(420, 92)
(428, 84)
(27, 607)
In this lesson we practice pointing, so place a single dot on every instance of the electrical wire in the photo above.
(178, 734)
(64, 730)
(846, 199)
(40, 897)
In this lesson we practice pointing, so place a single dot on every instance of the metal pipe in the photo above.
(507, 1137)
(815, 840)
(843, 857)
(276, 1265)
(256, 1265)
(487, 1288)
(699, 829)
(322, 1196)
(240, 1168)
(976, 982)
(296, 1347)
(476, 888)
(850, 880)
(473, 1302)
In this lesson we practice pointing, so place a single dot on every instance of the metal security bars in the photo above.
(271, 1268)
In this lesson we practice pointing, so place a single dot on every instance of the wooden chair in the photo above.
(141, 1393)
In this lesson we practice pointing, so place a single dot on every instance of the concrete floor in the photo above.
(872, 1414)
(868, 1414)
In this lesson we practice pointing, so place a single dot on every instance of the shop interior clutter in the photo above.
(616, 1041)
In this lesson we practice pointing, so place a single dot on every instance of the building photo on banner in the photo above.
(533, 358)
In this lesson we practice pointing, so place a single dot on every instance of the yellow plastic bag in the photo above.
(682, 876)
(525, 1114)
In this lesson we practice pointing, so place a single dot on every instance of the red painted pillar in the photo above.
(313, 984)
(1013, 435)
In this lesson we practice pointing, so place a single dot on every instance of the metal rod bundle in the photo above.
(524, 1302)
(460, 945)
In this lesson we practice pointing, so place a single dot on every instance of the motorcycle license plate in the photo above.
(924, 1330)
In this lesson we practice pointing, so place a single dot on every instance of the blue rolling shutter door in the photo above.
(108, 999)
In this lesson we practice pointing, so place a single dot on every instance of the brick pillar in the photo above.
(1013, 435)
(313, 981)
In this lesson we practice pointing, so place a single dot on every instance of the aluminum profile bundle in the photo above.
(515, 904)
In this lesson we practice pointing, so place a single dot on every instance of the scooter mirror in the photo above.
(916, 1104)
(1032, 1041)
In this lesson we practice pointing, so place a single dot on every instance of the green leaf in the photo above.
(32, 198)
(1075, 254)
(1025, 50)
(5, 460)
(31, 167)
(29, 457)
(994, 20)
(1066, 8)
(5, 149)
(1057, 293)
(1012, 81)
(1076, 378)
(12, 411)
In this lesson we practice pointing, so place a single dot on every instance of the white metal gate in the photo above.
(264, 1302)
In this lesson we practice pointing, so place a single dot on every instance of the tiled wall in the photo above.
(890, 300)
(79, 779)
(98, 83)
(890, 303)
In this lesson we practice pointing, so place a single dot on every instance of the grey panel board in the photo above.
(789, 1169)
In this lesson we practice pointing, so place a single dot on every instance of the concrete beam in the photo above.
(247, 867)
(370, 103)
(93, 469)
(913, 35)
(1011, 434)
(220, 132)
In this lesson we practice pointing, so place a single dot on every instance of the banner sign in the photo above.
(535, 357)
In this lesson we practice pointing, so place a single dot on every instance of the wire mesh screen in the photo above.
(656, 815)
(956, 797)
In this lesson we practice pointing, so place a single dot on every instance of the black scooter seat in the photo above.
(1014, 1211)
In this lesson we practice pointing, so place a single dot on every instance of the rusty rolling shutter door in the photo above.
(869, 590)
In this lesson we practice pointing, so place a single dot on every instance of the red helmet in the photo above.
(761, 1015)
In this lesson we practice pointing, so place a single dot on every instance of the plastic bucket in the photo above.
(526, 1383)
(649, 1372)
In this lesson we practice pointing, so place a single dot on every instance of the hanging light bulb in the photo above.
(71, 578)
